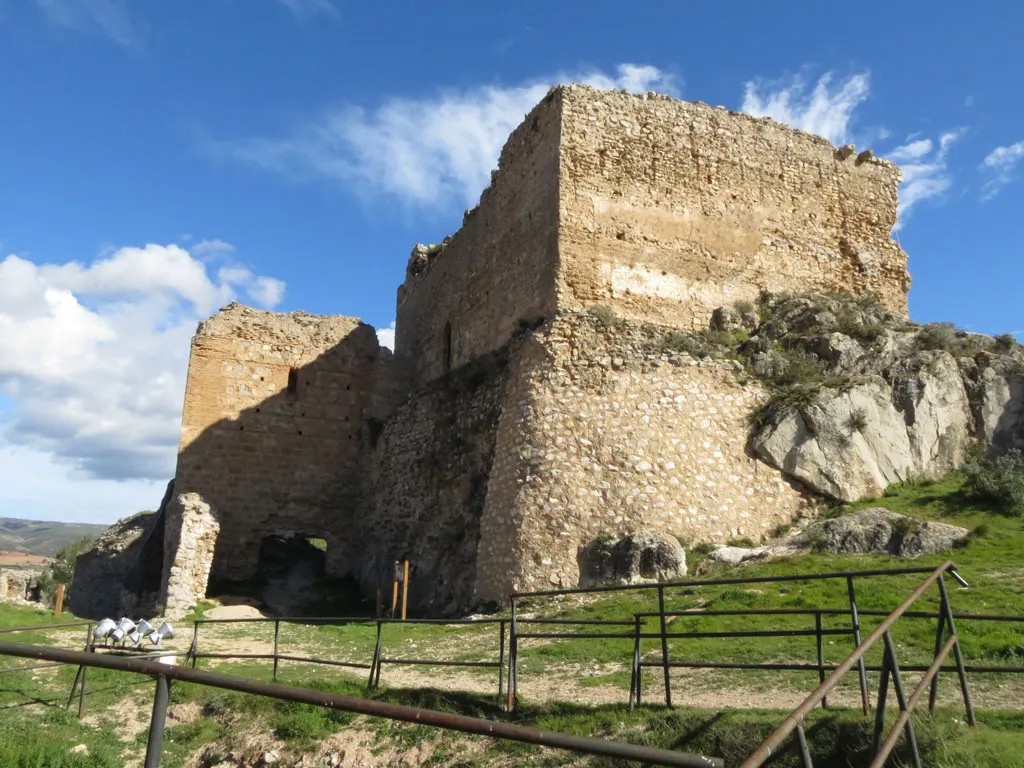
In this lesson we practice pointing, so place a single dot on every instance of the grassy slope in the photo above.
(992, 564)
(44, 538)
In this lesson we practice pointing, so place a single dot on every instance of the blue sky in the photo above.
(159, 159)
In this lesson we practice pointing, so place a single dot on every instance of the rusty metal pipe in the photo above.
(473, 725)
(774, 741)
(894, 735)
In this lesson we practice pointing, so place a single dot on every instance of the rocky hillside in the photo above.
(862, 398)
(42, 538)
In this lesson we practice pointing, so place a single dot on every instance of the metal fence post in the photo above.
(948, 612)
(821, 655)
(861, 671)
(194, 650)
(501, 661)
(634, 678)
(933, 694)
(664, 645)
(277, 632)
(376, 656)
(380, 654)
(156, 723)
(805, 751)
(883, 692)
(513, 662)
(897, 684)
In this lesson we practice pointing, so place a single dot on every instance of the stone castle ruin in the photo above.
(515, 423)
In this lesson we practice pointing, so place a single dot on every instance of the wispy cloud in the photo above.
(386, 336)
(305, 9)
(826, 109)
(93, 356)
(108, 17)
(999, 166)
(427, 151)
(925, 167)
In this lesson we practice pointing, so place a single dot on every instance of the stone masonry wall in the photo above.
(670, 209)
(191, 535)
(272, 429)
(429, 476)
(608, 434)
(498, 268)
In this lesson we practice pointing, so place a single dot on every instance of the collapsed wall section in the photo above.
(271, 430)
(670, 209)
(607, 431)
(467, 296)
(429, 475)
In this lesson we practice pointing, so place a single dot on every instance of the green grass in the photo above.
(36, 732)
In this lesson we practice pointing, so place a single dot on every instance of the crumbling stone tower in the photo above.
(514, 424)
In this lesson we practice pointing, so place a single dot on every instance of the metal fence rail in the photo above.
(794, 723)
(663, 615)
(163, 673)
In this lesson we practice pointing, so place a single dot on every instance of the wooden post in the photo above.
(394, 590)
(59, 608)
(405, 587)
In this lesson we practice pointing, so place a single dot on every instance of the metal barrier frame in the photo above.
(794, 723)
(666, 664)
(164, 673)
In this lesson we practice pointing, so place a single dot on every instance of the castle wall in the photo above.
(271, 429)
(498, 268)
(671, 209)
(429, 476)
(608, 434)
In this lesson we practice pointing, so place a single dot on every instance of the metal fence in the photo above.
(794, 724)
(636, 630)
(497, 729)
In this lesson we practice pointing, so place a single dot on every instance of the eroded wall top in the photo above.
(467, 297)
(271, 432)
(669, 209)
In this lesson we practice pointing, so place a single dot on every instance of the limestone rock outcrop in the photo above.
(636, 557)
(881, 531)
(875, 531)
(101, 573)
(865, 399)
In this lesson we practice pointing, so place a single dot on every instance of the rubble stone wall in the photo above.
(670, 209)
(272, 428)
(191, 535)
(606, 433)
(497, 269)
(429, 477)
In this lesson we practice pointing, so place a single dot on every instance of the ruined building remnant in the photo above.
(513, 424)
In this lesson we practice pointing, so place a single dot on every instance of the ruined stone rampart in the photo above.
(532, 403)
(468, 298)
(608, 431)
(272, 429)
(669, 209)
(429, 472)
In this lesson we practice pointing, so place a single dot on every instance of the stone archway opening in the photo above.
(289, 571)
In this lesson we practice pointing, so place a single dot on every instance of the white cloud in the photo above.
(827, 110)
(925, 169)
(913, 150)
(35, 485)
(426, 151)
(304, 9)
(93, 356)
(109, 17)
(386, 336)
(266, 291)
(1000, 165)
(210, 249)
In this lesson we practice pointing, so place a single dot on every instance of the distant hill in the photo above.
(44, 538)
